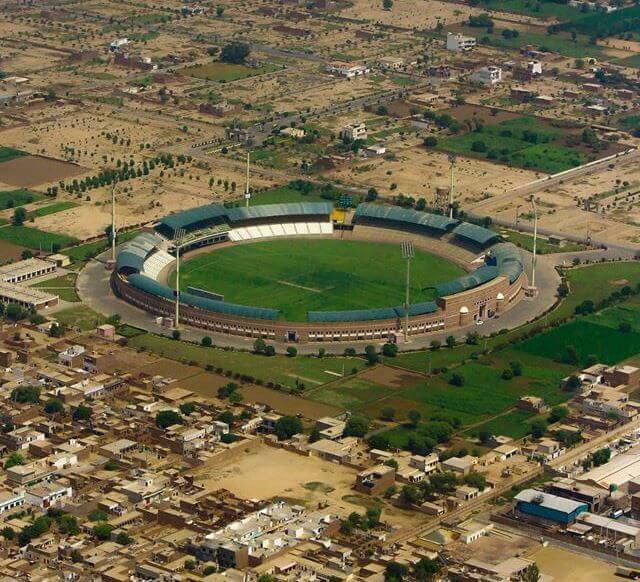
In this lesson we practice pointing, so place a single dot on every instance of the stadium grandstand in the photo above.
(483, 292)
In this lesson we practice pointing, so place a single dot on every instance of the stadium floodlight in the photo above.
(408, 254)
(452, 162)
(113, 219)
(535, 241)
(178, 237)
(247, 193)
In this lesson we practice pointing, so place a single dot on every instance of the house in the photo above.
(334, 450)
(426, 464)
(47, 494)
(376, 480)
(459, 43)
(294, 132)
(460, 465)
(391, 63)
(621, 375)
(347, 70)
(218, 109)
(375, 150)
(544, 100)
(467, 492)
(354, 131)
(504, 452)
(330, 428)
(118, 44)
(471, 530)
(532, 404)
(488, 76)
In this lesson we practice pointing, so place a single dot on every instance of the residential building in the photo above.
(488, 76)
(460, 43)
(354, 131)
(376, 480)
(348, 70)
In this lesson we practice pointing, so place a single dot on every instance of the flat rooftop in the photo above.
(22, 294)
(25, 267)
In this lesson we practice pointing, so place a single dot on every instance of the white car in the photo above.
(479, 322)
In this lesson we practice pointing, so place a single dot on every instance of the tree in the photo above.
(292, 352)
(13, 460)
(571, 355)
(387, 4)
(219, 11)
(409, 494)
(206, 342)
(373, 516)
(19, 216)
(167, 418)
(357, 426)
(26, 394)
(476, 480)
(102, 531)
(226, 417)
(124, 539)
(538, 428)
(573, 382)
(450, 341)
(456, 379)
(430, 141)
(82, 413)
(270, 351)
(558, 413)
(287, 426)
(387, 413)
(8, 533)
(414, 417)
(531, 574)
(371, 355)
(259, 346)
(98, 515)
(390, 350)
(187, 408)
(68, 524)
(624, 327)
(53, 406)
(427, 569)
(235, 52)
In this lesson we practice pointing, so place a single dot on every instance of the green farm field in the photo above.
(297, 276)
(20, 197)
(7, 153)
(34, 238)
(544, 9)
(51, 209)
(523, 141)
(226, 71)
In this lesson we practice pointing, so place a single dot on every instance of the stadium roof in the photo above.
(418, 309)
(507, 258)
(475, 234)
(193, 216)
(397, 214)
(209, 212)
(478, 277)
(275, 210)
(353, 315)
(148, 285)
(134, 252)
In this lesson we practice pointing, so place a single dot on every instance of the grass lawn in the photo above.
(79, 316)
(280, 369)
(351, 394)
(283, 194)
(515, 424)
(523, 141)
(64, 286)
(7, 153)
(13, 198)
(226, 71)
(543, 247)
(297, 276)
(51, 209)
(34, 238)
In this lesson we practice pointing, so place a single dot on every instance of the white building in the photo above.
(348, 70)
(10, 500)
(354, 131)
(118, 44)
(67, 356)
(489, 76)
(459, 43)
(47, 494)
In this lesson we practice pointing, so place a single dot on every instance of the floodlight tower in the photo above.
(247, 194)
(407, 253)
(452, 162)
(535, 240)
(113, 220)
(177, 241)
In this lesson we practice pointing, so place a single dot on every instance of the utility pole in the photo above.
(407, 253)
(247, 194)
(452, 162)
(535, 241)
(113, 220)
(177, 241)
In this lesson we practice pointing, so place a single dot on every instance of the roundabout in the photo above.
(292, 273)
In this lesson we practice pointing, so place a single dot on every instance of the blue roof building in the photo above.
(547, 507)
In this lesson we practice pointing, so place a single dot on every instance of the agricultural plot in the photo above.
(7, 154)
(297, 276)
(51, 209)
(20, 197)
(524, 141)
(544, 9)
(515, 424)
(351, 394)
(225, 72)
(283, 370)
(603, 25)
(34, 238)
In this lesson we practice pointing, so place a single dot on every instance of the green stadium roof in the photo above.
(203, 214)
(478, 277)
(397, 214)
(148, 285)
(418, 309)
(507, 258)
(475, 234)
(353, 315)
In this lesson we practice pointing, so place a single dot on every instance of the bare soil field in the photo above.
(28, 171)
(391, 377)
(286, 403)
(10, 251)
(418, 172)
(204, 384)
(554, 561)
(269, 472)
